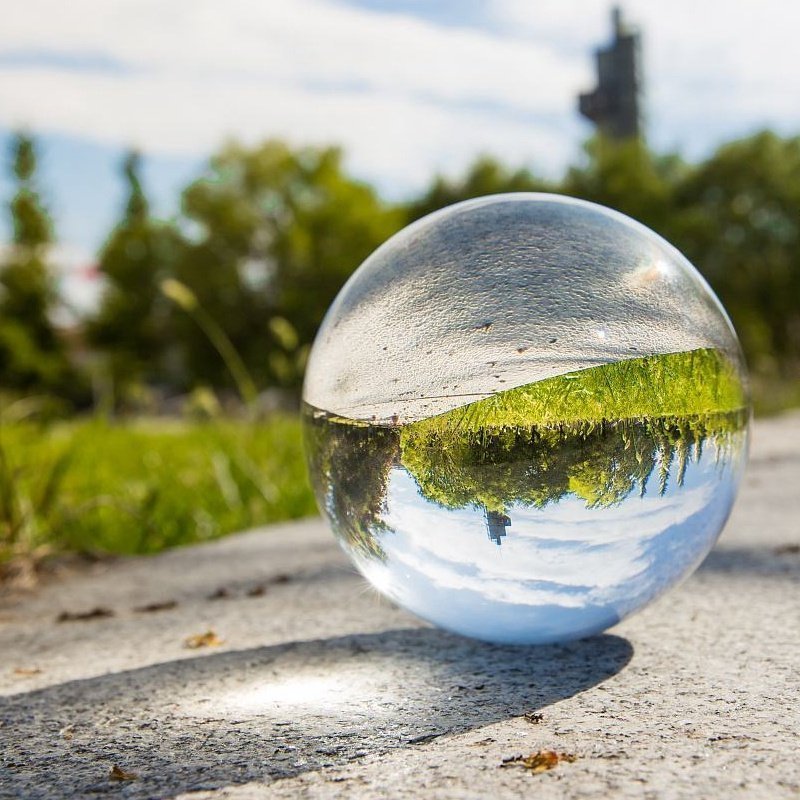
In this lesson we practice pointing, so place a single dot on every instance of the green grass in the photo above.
(671, 385)
(143, 486)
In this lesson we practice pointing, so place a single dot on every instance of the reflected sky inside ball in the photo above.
(564, 570)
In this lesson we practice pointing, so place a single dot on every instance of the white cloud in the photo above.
(404, 96)
(564, 569)
(395, 137)
(713, 70)
(591, 551)
(294, 43)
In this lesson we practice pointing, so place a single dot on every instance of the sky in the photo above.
(409, 88)
(559, 569)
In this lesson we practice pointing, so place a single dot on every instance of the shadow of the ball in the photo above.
(274, 712)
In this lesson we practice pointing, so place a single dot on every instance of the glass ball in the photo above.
(526, 417)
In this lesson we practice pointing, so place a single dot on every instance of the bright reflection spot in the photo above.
(650, 273)
(298, 691)
(662, 267)
(328, 691)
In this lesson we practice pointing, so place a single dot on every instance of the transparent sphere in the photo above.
(526, 417)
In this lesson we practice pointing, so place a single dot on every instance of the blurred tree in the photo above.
(736, 218)
(627, 176)
(32, 357)
(485, 176)
(131, 324)
(273, 235)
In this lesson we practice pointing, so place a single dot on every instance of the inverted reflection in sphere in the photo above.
(526, 417)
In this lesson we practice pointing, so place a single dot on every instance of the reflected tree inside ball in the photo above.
(526, 417)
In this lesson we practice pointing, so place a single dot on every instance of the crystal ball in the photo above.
(526, 417)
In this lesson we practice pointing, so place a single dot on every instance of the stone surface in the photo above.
(320, 689)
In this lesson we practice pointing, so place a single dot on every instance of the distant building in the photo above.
(615, 105)
(496, 524)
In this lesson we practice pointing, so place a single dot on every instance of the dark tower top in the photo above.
(496, 524)
(614, 106)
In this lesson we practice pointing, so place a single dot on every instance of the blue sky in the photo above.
(80, 178)
(563, 569)
(408, 87)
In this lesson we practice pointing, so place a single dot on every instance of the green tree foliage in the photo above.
(32, 357)
(350, 466)
(270, 234)
(629, 177)
(736, 218)
(131, 326)
(485, 176)
(495, 467)
(275, 232)
(536, 467)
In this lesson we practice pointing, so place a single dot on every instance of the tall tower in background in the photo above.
(615, 105)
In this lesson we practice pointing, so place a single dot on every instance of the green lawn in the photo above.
(670, 385)
(142, 486)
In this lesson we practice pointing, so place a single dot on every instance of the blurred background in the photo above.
(187, 184)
